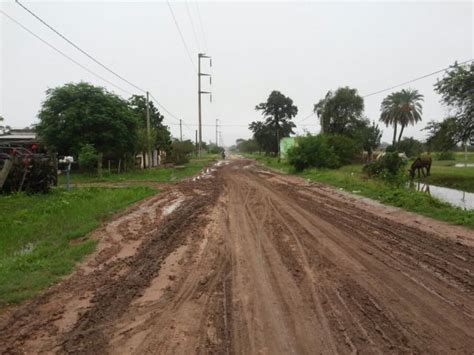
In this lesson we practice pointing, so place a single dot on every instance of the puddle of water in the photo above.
(462, 165)
(457, 198)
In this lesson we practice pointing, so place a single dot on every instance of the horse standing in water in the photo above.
(420, 164)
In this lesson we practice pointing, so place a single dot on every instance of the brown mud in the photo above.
(245, 260)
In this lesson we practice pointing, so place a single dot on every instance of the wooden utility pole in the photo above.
(197, 147)
(202, 55)
(148, 129)
(181, 129)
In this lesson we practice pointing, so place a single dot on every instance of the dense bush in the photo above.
(447, 155)
(313, 151)
(87, 157)
(180, 152)
(410, 146)
(344, 147)
(389, 167)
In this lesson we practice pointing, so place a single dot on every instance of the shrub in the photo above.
(390, 167)
(313, 151)
(410, 146)
(344, 147)
(180, 152)
(87, 157)
(446, 155)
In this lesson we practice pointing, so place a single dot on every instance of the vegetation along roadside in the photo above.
(352, 179)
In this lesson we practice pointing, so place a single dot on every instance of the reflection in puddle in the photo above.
(457, 198)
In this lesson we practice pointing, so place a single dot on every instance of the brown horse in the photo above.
(420, 164)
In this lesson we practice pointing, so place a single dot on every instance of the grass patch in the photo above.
(37, 230)
(351, 179)
(158, 174)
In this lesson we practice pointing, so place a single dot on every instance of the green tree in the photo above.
(77, 114)
(161, 135)
(368, 135)
(340, 111)
(278, 112)
(456, 90)
(442, 136)
(401, 108)
(410, 146)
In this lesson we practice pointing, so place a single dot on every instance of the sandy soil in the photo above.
(245, 260)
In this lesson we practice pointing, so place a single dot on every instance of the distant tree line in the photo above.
(343, 124)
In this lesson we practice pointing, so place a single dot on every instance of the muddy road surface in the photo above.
(244, 260)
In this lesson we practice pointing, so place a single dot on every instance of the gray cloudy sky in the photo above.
(302, 49)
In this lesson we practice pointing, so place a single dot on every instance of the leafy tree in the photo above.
(442, 136)
(456, 90)
(410, 146)
(160, 136)
(340, 111)
(76, 114)
(277, 111)
(369, 137)
(401, 108)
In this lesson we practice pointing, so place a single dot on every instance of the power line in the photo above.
(83, 66)
(416, 79)
(192, 25)
(306, 117)
(78, 48)
(201, 26)
(169, 112)
(181, 35)
(63, 54)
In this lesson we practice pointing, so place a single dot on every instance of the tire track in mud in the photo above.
(112, 299)
(344, 233)
(253, 261)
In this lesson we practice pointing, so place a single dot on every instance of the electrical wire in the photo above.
(64, 54)
(181, 35)
(77, 47)
(416, 79)
(198, 45)
(305, 118)
(201, 26)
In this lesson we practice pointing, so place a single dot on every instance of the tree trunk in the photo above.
(401, 132)
(99, 164)
(118, 168)
(394, 133)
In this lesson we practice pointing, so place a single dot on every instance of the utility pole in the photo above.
(202, 55)
(217, 141)
(197, 147)
(181, 129)
(148, 132)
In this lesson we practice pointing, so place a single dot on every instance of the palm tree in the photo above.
(401, 107)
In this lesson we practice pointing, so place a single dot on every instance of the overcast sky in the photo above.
(302, 49)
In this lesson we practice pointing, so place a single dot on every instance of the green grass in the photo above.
(38, 238)
(158, 174)
(40, 234)
(351, 179)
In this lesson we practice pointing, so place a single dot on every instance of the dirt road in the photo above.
(244, 260)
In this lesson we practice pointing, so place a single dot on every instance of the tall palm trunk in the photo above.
(394, 133)
(401, 132)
